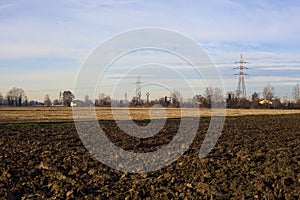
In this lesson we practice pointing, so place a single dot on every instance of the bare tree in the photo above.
(217, 95)
(87, 101)
(198, 100)
(208, 93)
(268, 92)
(15, 97)
(255, 96)
(255, 100)
(296, 93)
(26, 101)
(47, 100)
(1, 99)
(176, 98)
(68, 97)
(213, 95)
(104, 100)
(56, 102)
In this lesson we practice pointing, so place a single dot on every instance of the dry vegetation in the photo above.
(63, 114)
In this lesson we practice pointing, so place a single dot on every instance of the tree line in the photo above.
(212, 97)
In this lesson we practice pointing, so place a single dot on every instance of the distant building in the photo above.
(73, 104)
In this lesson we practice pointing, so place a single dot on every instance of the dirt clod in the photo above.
(256, 157)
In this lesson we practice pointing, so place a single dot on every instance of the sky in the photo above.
(44, 44)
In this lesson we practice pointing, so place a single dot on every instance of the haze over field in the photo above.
(44, 43)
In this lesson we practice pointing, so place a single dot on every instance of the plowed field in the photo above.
(256, 157)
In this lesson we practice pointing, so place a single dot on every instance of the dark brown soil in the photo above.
(256, 157)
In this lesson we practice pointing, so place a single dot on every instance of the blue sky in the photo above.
(44, 43)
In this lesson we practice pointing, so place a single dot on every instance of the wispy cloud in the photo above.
(17, 51)
(5, 5)
(281, 68)
(271, 79)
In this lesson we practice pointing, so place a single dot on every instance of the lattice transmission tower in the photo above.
(138, 91)
(241, 86)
